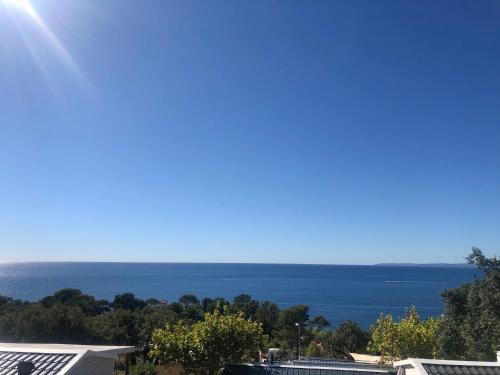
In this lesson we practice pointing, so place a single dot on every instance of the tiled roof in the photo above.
(241, 369)
(45, 363)
(343, 364)
(441, 369)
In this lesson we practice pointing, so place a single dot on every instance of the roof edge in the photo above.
(87, 350)
(415, 362)
(111, 353)
(70, 364)
(340, 367)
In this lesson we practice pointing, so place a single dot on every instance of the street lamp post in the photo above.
(298, 326)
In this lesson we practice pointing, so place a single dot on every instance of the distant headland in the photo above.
(437, 265)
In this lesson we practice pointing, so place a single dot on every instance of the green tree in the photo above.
(471, 322)
(151, 318)
(488, 265)
(211, 304)
(347, 338)
(287, 331)
(36, 323)
(246, 305)
(410, 337)
(267, 314)
(7, 303)
(4, 301)
(188, 300)
(204, 347)
(68, 296)
(176, 308)
(319, 322)
(191, 308)
(127, 301)
(120, 327)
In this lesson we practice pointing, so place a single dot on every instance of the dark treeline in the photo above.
(468, 329)
(69, 316)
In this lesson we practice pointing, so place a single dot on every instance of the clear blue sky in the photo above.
(260, 131)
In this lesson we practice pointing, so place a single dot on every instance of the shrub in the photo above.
(143, 368)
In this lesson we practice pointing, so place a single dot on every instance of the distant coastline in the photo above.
(104, 262)
(437, 265)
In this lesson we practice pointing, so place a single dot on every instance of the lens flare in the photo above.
(51, 39)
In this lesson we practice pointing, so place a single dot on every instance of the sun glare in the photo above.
(24, 5)
(50, 38)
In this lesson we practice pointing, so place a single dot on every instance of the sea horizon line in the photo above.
(379, 264)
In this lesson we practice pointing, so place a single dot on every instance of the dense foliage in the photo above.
(471, 323)
(410, 337)
(469, 328)
(69, 316)
(205, 346)
(347, 338)
(143, 368)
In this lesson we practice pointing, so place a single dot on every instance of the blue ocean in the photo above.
(337, 292)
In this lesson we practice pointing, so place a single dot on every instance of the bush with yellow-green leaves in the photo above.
(205, 346)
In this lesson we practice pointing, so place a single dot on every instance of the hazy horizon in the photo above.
(262, 263)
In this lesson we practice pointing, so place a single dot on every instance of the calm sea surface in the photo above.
(358, 293)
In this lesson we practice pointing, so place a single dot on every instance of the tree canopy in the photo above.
(70, 316)
(471, 321)
(289, 321)
(347, 338)
(410, 337)
(204, 347)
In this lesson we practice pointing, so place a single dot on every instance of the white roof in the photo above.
(328, 366)
(367, 358)
(414, 362)
(88, 350)
(417, 364)
(54, 359)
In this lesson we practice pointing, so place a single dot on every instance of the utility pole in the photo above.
(298, 325)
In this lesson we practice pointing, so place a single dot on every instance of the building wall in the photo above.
(93, 366)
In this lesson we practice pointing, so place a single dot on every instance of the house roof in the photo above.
(461, 370)
(45, 364)
(445, 367)
(304, 369)
(95, 350)
(52, 359)
(342, 364)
